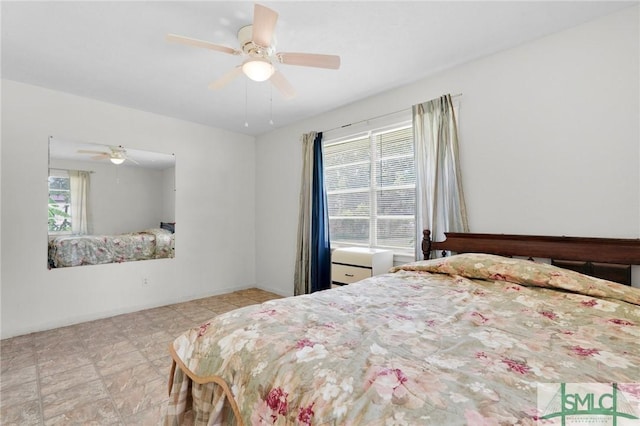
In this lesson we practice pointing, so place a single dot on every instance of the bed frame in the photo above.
(607, 258)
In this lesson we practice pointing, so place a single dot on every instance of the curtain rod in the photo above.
(457, 95)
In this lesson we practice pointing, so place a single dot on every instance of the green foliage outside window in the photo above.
(59, 204)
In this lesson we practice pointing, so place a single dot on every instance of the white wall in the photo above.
(549, 139)
(215, 205)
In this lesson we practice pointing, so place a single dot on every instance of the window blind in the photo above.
(370, 181)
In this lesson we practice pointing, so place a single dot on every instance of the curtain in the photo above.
(313, 252)
(302, 275)
(440, 205)
(320, 245)
(79, 186)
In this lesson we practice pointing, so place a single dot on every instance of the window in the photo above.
(370, 180)
(59, 202)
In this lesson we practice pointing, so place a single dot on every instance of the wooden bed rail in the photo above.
(608, 258)
(606, 250)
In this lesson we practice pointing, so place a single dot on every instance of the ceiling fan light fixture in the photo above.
(258, 69)
(118, 155)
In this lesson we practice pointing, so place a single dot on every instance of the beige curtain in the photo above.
(440, 205)
(79, 186)
(302, 277)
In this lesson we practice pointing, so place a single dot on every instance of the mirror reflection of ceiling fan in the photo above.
(258, 48)
(117, 155)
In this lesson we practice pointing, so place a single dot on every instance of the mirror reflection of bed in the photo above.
(109, 204)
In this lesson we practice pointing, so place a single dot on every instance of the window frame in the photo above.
(374, 187)
(60, 173)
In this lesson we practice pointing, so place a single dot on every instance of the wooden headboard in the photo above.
(608, 258)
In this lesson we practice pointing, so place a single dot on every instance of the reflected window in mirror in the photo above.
(108, 204)
(68, 201)
(59, 202)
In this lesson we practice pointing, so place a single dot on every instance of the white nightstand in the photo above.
(351, 264)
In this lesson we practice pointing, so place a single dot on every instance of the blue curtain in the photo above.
(320, 246)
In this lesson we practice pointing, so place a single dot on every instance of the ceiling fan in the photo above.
(117, 155)
(258, 48)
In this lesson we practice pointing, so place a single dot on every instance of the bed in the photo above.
(76, 250)
(474, 338)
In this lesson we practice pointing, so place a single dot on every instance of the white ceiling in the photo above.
(116, 52)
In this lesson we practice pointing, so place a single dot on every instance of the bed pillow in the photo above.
(525, 272)
(169, 226)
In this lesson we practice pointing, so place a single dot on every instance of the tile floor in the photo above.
(103, 372)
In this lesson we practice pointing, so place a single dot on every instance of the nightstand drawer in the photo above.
(345, 274)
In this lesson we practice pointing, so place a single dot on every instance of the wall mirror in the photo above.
(108, 204)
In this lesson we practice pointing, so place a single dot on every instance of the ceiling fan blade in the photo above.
(226, 79)
(84, 151)
(310, 60)
(264, 22)
(283, 85)
(132, 160)
(201, 43)
(103, 156)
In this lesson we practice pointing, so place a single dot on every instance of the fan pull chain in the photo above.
(246, 103)
(271, 104)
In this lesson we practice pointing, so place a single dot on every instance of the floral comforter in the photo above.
(460, 340)
(70, 250)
